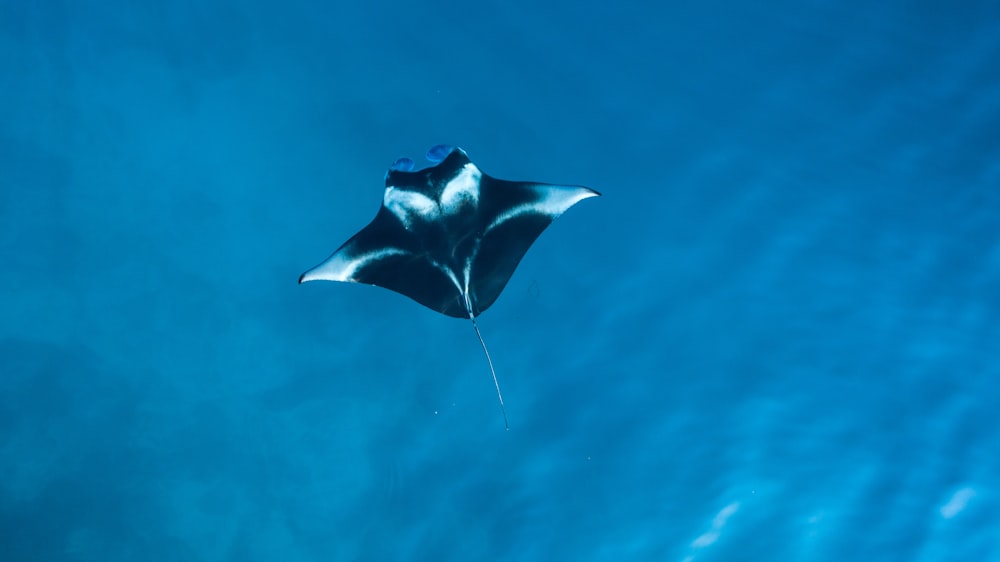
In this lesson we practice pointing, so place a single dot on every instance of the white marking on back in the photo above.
(556, 201)
(450, 274)
(405, 204)
(467, 271)
(340, 268)
(463, 188)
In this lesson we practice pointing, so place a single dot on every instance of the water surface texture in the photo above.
(776, 336)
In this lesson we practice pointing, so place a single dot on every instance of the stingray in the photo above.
(449, 236)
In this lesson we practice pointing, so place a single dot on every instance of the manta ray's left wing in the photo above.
(383, 254)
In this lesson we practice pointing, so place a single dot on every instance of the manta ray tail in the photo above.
(488, 360)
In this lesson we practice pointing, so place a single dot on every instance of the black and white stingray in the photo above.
(449, 236)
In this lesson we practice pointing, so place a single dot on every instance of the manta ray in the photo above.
(449, 236)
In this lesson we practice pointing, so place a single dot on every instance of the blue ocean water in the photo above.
(775, 337)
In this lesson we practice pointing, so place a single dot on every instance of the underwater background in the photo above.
(775, 337)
